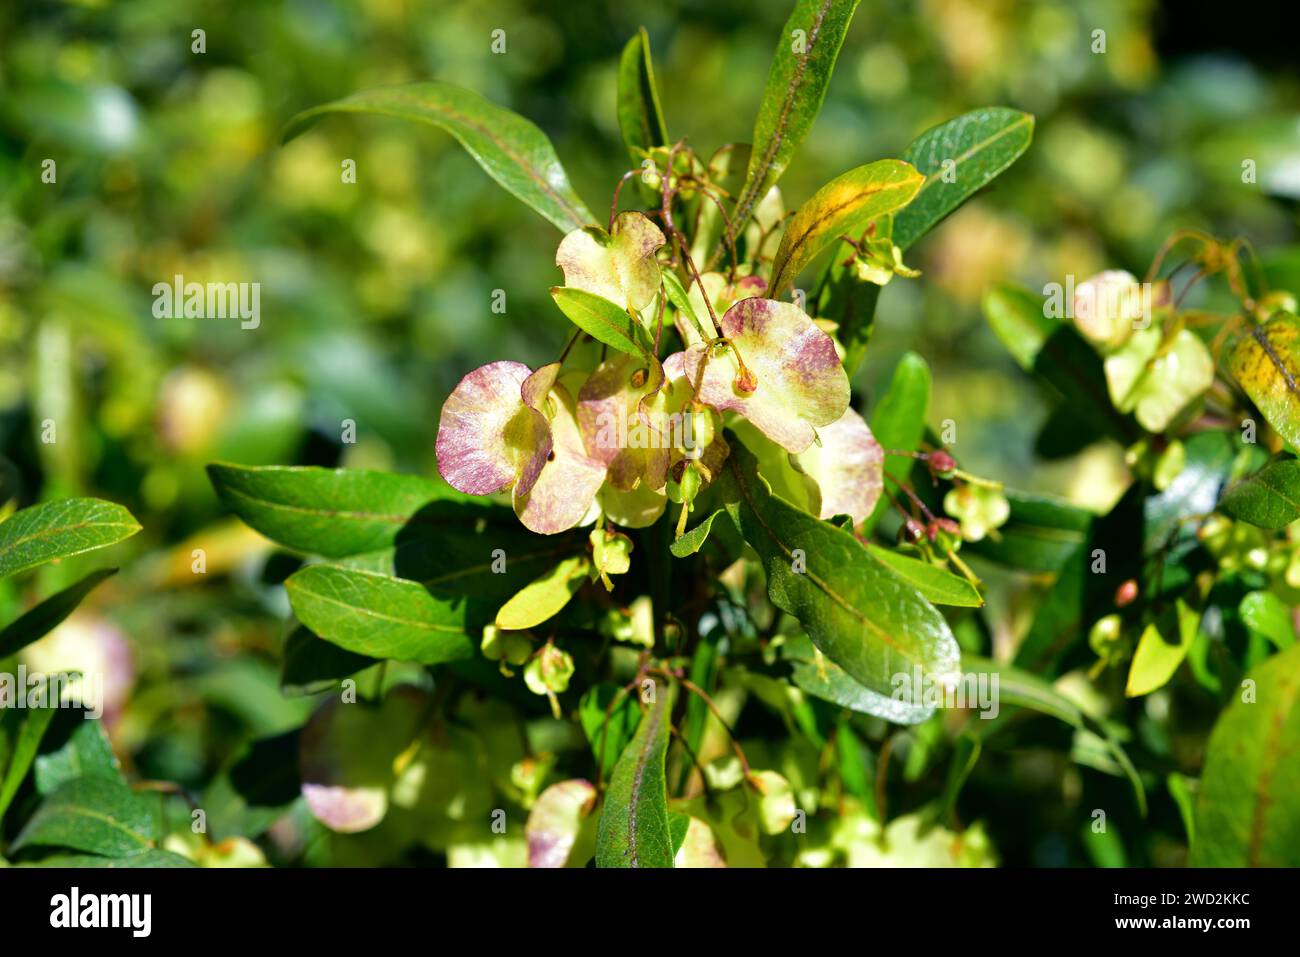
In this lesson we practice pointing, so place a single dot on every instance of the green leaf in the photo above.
(640, 118)
(633, 829)
(958, 158)
(602, 320)
(1246, 812)
(801, 72)
(1270, 498)
(334, 512)
(1041, 534)
(608, 724)
(1156, 659)
(693, 540)
(383, 617)
(56, 530)
(1019, 320)
(543, 599)
(1263, 613)
(1266, 362)
(98, 815)
(898, 422)
(32, 725)
(935, 585)
(845, 205)
(510, 149)
(85, 751)
(42, 618)
(860, 614)
(145, 859)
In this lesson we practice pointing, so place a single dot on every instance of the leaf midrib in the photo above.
(750, 197)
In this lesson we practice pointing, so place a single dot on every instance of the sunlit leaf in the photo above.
(542, 599)
(640, 117)
(806, 51)
(55, 530)
(1266, 362)
(382, 617)
(843, 206)
(859, 613)
(1270, 498)
(1246, 815)
(513, 151)
(633, 829)
(958, 158)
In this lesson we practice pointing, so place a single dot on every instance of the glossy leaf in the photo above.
(936, 585)
(859, 613)
(898, 423)
(640, 117)
(603, 321)
(1266, 362)
(1263, 613)
(56, 530)
(382, 617)
(512, 150)
(845, 205)
(45, 616)
(1246, 815)
(801, 70)
(971, 150)
(330, 512)
(1270, 498)
(633, 829)
(98, 815)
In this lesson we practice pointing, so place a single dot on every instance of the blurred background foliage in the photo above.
(376, 296)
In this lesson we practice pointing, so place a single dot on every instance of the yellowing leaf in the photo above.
(844, 205)
(1266, 361)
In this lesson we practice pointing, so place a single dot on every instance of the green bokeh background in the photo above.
(376, 296)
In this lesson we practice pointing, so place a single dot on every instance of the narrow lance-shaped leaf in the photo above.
(640, 117)
(384, 617)
(801, 72)
(957, 158)
(55, 530)
(1270, 498)
(859, 613)
(845, 205)
(32, 724)
(1246, 815)
(46, 616)
(935, 585)
(1266, 362)
(633, 830)
(603, 321)
(512, 150)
